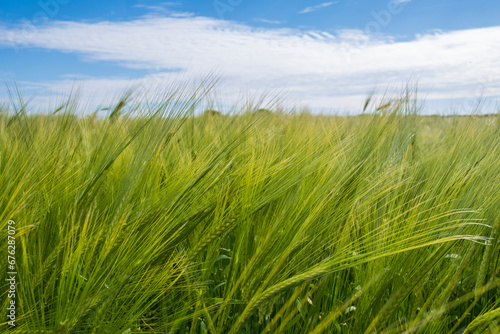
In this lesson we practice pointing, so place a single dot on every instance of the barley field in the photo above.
(156, 219)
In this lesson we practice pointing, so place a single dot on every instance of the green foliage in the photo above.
(156, 220)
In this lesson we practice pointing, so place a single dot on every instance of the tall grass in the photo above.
(157, 220)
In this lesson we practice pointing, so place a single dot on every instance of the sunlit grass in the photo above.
(156, 219)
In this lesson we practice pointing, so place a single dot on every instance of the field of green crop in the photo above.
(155, 219)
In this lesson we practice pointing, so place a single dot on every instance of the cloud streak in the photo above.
(317, 7)
(269, 21)
(320, 69)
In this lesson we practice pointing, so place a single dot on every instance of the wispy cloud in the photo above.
(320, 69)
(162, 7)
(317, 7)
(401, 1)
(269, 21)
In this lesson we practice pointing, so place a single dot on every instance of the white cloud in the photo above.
(317, 7)
(402, 1)
(160, 7)
(320, 69)
(270, 21)
(163, 8)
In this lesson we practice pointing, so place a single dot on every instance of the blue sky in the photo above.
(323, 54)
